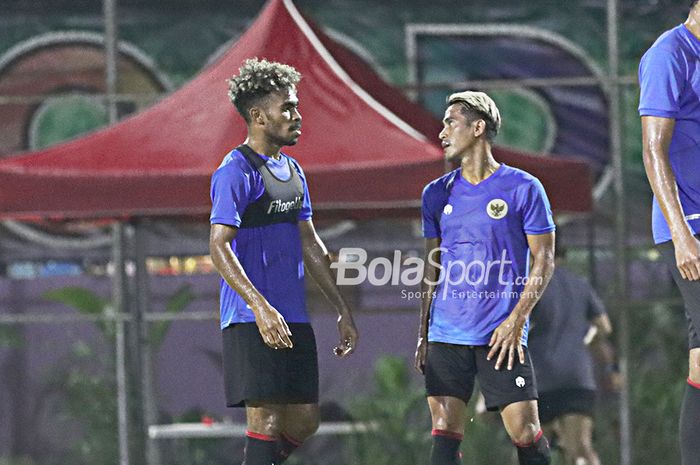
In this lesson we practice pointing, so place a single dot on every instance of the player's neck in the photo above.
(693, 22)
(479, 165)
(263, 146)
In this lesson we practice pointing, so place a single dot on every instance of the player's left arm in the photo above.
(318, 264)
(506, 339)
(599, 343)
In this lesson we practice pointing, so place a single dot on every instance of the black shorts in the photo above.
(553, 404)
(255, 372)
(451, 370)
(690, 290)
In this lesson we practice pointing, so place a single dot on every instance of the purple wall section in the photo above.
(187, 366)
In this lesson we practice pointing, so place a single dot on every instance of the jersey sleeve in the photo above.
(306, 212)
(661, 80)
(230, 195)
(431, 217)
(537, 213)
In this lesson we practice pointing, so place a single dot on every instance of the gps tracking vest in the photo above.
(280, 202)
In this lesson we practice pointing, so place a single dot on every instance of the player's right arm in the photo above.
(431, 271)
(656, 138)
(271, 324)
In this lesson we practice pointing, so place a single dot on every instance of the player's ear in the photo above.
(479, 127)
(257, 116)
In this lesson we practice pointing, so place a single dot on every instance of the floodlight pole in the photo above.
(109, 8)
(613, 14)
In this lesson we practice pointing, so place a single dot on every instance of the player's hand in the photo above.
(421, 352)
(612, 382)
(688, 257)
(506, 342)
(348, 336)
(272, 327)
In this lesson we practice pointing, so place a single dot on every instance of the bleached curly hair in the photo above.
(256, 79)
(478, 105)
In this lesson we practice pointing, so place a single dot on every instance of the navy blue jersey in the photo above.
(485, 255)
(271, 255)
(560, 321)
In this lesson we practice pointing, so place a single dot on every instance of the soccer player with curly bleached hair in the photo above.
(257, 79)
(261, 240)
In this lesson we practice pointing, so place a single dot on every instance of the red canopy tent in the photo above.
(365, 146)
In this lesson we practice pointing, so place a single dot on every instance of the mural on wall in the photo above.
(60, 77)
(57, 82)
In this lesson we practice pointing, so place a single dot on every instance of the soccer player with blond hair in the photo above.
(490, 228)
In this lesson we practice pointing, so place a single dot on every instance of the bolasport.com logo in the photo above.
(457, 279)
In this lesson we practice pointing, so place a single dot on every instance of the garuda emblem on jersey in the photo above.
(497, 209)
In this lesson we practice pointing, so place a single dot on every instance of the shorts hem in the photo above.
(463, 399)
(272, 401)
(505, 403)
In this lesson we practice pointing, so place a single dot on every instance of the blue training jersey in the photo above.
(270, 255)
(485, 255)
(669, 80)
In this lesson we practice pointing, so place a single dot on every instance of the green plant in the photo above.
(399, 412)
(198, 451)
(658, 372)
(10, 338)
(88, 376)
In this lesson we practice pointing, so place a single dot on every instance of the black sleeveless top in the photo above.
(280, 202)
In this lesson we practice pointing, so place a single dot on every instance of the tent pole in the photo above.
(119, 293)
(613, 17)
(147, 398)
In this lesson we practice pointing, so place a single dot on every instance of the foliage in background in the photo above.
(198, 451)
(485, 438)
(10, 337)
(88, 376)
(659, 368)
(400, 411)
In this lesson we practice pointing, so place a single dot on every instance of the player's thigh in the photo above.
(690, 291)
(521, 421)
(264, 418)
(694, 365)
(301, 420)
(448, 413)
(504, 387)
(450, 371)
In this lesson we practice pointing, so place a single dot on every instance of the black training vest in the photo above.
(280, 202)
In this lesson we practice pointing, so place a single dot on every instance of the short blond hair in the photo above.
(258, 78)
(478, 105)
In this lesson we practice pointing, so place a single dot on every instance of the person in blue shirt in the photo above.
(262, 238)
(489, 232)
(669, 106)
